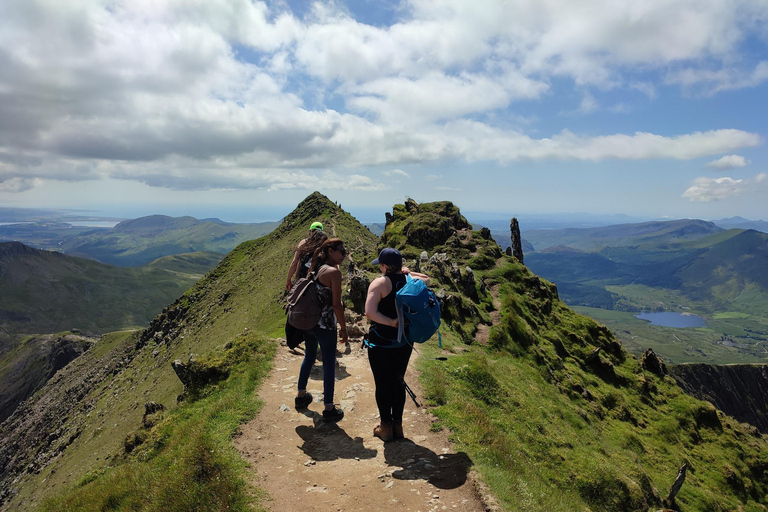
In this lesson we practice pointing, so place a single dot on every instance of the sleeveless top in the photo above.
(304, 264)
(327, 316)
(382, 334)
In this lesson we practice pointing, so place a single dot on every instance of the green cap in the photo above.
(316, 225)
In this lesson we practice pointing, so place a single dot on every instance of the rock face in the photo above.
(738, 390)
(34, 363)
(517, 241)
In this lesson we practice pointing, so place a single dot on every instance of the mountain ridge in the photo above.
(549, 401)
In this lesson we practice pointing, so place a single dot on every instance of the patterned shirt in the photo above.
(327, 316)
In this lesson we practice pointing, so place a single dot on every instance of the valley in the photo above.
(690, 267)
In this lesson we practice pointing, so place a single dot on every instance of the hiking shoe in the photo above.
(333, 415)
(384, 432)
(301, 402)
(397, 431)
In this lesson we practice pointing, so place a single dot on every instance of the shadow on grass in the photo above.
(446, 471)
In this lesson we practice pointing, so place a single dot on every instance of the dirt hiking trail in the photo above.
(305, 464)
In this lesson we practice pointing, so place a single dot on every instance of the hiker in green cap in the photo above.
(302, 258)
(303, 253)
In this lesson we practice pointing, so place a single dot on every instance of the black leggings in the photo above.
(388, 366)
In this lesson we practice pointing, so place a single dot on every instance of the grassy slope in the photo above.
(55, 292)
(194, 263)
(234, 306)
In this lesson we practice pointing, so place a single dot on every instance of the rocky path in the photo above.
(304, 464)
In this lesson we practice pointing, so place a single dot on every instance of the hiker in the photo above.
(325, 262)
(302, 258)
(388, 357)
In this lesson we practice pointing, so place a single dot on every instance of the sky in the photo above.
(239, 108)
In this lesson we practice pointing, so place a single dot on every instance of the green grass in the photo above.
(522, 415)
(187, 461)
(728, 338)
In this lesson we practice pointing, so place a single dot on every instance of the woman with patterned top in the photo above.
(325, 263)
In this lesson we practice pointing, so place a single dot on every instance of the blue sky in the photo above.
(236, 108)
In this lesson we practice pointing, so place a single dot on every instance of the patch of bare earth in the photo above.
(305, 464)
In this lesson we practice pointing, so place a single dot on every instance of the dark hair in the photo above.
(314, 240)
(393, 269)
(321, 253)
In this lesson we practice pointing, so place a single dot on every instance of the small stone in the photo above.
(390, 484)
(284, 408)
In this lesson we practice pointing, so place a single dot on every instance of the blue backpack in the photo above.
(418, 314)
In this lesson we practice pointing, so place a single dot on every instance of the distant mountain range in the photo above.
(742, 223)
(138, 241)
(621, 235)
(699, 259)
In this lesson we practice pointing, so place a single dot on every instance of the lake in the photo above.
(668, 319)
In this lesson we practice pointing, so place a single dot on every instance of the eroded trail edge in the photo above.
(304, 464)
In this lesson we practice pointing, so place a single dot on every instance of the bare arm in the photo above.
(334, 276)
(416, 275)
(294, 268)
(378, 289)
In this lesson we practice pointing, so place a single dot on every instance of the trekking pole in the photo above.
(409, 391)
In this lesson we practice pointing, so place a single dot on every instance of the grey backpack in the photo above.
(303, 304)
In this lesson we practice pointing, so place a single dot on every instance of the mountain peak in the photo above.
(315, 207)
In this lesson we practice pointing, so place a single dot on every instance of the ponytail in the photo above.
(321, 253)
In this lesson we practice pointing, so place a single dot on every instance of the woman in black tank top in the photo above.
(388, 356)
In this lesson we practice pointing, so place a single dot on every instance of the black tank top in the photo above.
(387, 308)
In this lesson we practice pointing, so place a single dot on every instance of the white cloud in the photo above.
(436, 96)
(588, 104)
(712, 81)
(729, 162)
(715, 189)
(245, 94)
(18, 184)
(397, 172)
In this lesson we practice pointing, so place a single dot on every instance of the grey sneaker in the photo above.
(301, 402)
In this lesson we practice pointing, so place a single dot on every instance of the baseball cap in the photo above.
(389, 256)
(316, 225)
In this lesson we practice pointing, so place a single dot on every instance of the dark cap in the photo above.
(389, 256)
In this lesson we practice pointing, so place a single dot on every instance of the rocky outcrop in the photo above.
(739, 390)
(653, 363)
(517, 241)
(358, 288)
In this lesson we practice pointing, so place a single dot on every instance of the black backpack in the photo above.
(303, 304)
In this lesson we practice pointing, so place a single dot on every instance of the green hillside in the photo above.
(195, 263)
(45, 292)
(553, 412)
(140, 241)
(621, 235)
